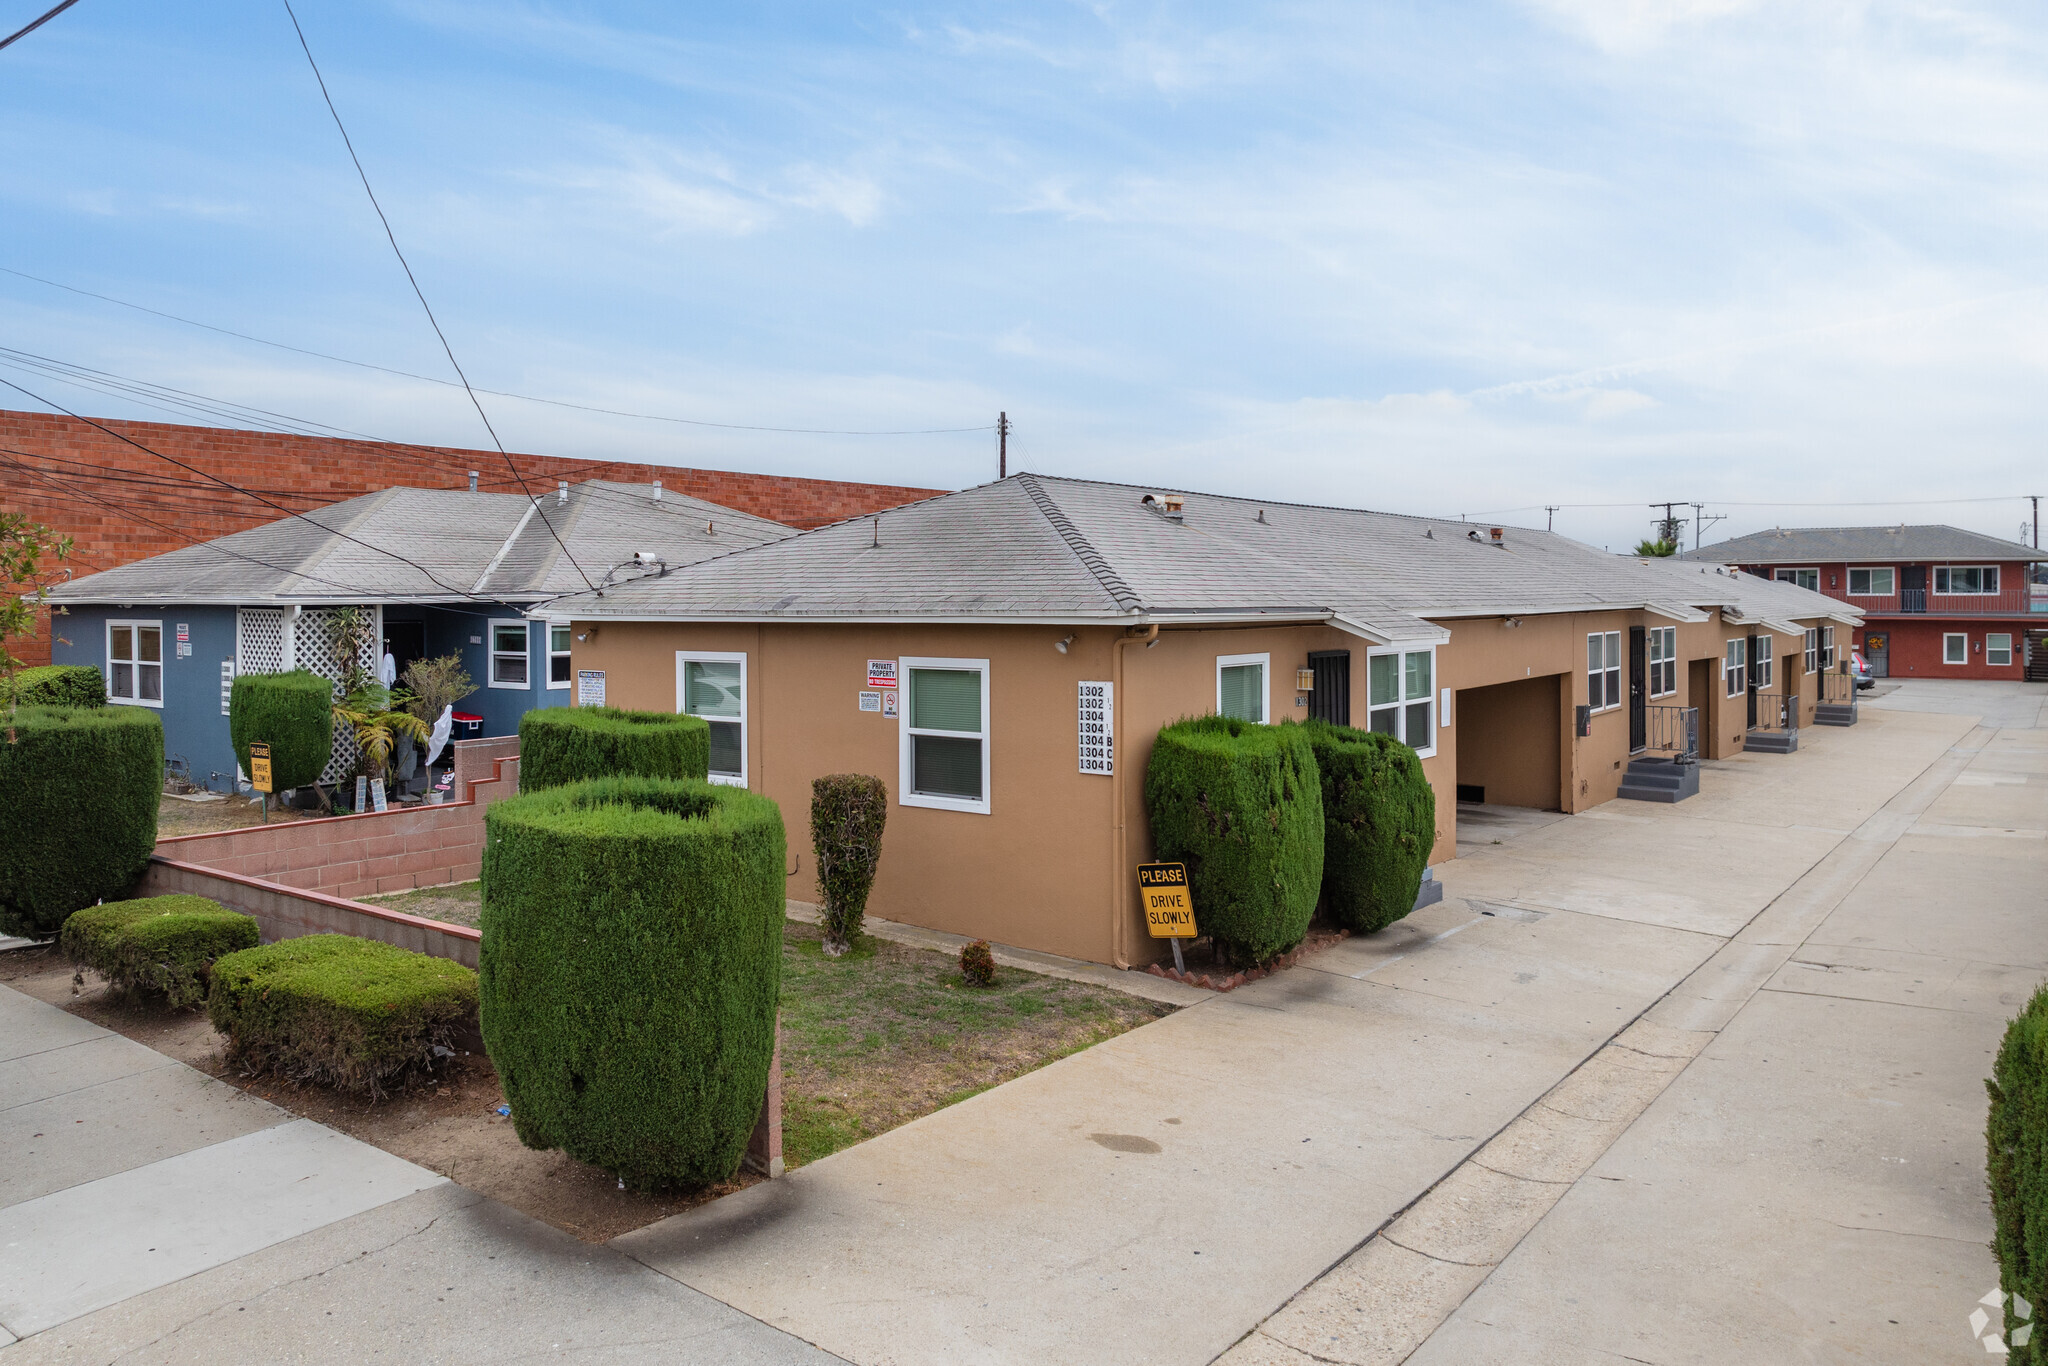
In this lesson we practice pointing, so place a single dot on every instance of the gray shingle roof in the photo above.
(1831, 544)
(455, 545)
(1036, 548)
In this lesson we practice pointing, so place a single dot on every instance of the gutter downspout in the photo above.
(1119, 952)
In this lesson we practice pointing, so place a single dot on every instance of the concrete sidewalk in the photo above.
(149, 1213)
(1156, 1197)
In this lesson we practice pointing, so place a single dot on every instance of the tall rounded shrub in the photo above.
(2016, 1167)
(79, 789)
(630, 971)
(1241, 806)
(848, 811)
(294, 714)
(1379, 824)
(559, 745)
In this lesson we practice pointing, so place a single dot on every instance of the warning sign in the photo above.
(1169, 913)
(881, 673)
(259, 765)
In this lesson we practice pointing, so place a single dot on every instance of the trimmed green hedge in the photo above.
(79, 789)
(1379, 825)
(2016, 1167)
(294, 714)
(161, 944)
(344, 1012)
(59, 685)
(561, 745)
(631, 968)
(1241, 806)
(848, 812)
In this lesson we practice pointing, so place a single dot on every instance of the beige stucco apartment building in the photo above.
(1003, 657)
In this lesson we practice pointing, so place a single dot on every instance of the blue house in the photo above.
(439, 571)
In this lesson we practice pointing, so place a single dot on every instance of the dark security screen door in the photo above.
(1638, 696)
(1913, 588)
(1330, 699)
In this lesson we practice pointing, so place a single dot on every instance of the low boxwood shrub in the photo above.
(631, 967)
(161, 944)
(1240, 804)
(79, 789)
(848, 811)
(350, 1013)
(294, 714)
(560, 745)
(1379, 825)
(59, 685)
(2016, 1168)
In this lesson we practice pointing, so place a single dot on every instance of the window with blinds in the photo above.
(1603, 669)
(1241, 686)
(945, 734)
(714, 687)
(135, 662)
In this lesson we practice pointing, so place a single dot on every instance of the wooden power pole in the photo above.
(1002, 445)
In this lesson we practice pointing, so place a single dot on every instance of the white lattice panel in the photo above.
(259, 640)
(314, 648)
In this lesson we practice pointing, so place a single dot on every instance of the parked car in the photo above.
(1859, 670)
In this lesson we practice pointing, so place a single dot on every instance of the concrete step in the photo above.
(1659, 780)
(1771, 741)
(1835, 714)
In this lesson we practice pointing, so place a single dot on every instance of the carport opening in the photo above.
(1509, 746)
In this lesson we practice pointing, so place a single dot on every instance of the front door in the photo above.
(1912, 588)
(1751, 682)
(1877, 653)
(1330, 699)
(1638, 694)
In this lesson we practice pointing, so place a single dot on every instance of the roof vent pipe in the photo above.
(561, 490)
(1499, 535)
(1167, 505)
(472, 481)
(657, 490)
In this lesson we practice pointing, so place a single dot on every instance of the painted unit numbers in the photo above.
(1098, 730)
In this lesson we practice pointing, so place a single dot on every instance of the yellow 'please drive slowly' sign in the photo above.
(1169, 913)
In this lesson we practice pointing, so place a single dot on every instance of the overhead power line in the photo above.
(420, 294)
(11, 39)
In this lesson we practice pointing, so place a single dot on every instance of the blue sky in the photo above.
(1428, 258)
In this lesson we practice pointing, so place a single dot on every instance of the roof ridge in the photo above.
(1084, 550)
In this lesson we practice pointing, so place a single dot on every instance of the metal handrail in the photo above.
(1673, 730)
(1838, 689)
(1777, 711)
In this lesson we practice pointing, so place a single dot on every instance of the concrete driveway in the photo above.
(1160, 1197)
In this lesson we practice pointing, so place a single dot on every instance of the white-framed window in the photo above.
(1735, 667)
(1400, 695)
(1876, 581)
(1663, 660)
(1603, 669)
(1827, 647)
(1998, 648)
(508, 644)
(1763, 665)
(1955, 648)
(1813, 649)
(714, 686)
(1805, 578)
(560, 673)
(943, 759)
(1966, 580)
(135, 663)
(1241, 686)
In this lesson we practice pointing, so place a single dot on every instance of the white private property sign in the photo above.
(1098, 729)
(881, 673)
(590, 687)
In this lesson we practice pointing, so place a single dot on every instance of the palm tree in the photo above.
(377, 717)
(1648, 549)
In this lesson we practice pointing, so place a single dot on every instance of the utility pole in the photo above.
(1700, 522)
(1667, 526)
(1002, 445)
(1550, 516)
(2035, 499)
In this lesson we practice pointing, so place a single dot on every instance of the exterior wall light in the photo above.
(1511, 622)
(1061, 645)
(1304, 680)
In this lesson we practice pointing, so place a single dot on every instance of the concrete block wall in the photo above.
(367, 854)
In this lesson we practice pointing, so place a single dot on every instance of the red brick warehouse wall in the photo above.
(99, 490)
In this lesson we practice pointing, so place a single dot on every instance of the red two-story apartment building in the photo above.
(1938, 602)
